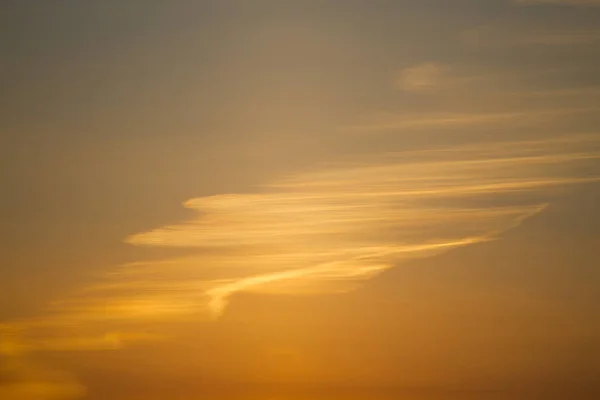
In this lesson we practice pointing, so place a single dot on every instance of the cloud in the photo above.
(434, 78)
(420, 78)
(319, 231)
(441, 120)
(462, 96)
(511, 36)
(329, 229)
(350, 222)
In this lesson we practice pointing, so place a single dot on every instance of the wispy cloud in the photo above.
(332, 228)
(314, 231)
(323, 230)
(440, 120)
(433, 78)
(319, 231)
(512, 36)
(434, 97)
(421, 78)
(351, 221)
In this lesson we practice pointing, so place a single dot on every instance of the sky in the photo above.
(299, 199)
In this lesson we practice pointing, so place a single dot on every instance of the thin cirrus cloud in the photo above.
(449, 97)
(320, 231)
(432, 78)
(499, 36)
(349, 222)
(331, 229)
(402, 120)
(421, 78)
(317, 231)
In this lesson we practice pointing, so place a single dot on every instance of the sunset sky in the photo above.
(299, 199)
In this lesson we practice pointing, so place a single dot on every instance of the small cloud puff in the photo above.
(420, 78)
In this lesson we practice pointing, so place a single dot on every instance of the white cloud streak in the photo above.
(520, 36)
(352, 221)
(319, 231)
(314, 231)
